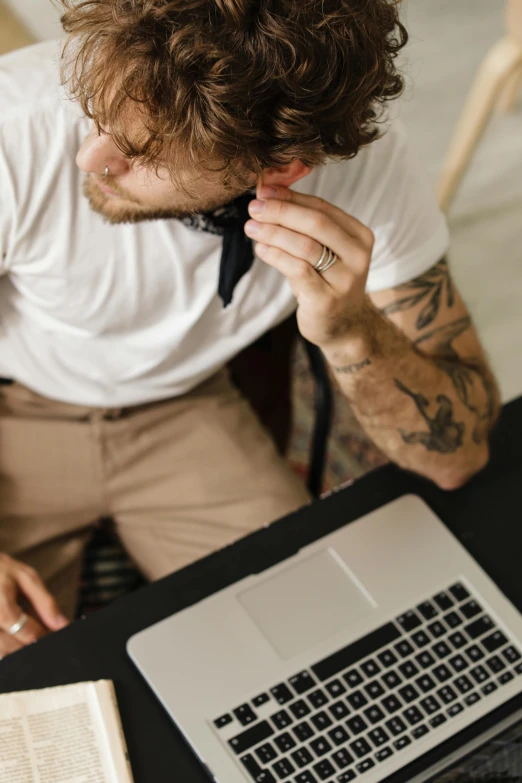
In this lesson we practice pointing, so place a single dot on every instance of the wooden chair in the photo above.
(497, 84)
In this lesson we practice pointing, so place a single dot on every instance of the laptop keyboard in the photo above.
(368, 701)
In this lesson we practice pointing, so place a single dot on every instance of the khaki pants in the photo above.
(180, 478)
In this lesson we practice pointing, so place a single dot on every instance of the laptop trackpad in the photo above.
(307, 602)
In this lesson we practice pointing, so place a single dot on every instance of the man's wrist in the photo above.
(356, 350)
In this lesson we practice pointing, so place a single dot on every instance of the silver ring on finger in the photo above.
(327, 260)
(17, 627)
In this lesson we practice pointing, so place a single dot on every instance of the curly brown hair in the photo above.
(234, 85)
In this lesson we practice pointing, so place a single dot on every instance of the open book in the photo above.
(66, 734)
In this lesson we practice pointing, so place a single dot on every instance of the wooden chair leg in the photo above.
(503, 60)
(511, 91)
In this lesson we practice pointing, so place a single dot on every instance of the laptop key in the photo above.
(364, 766)
(505, 678)
(305, 777)
(425, 659)
(370, 668)
(459, 592)
(391, 679)
(335, 688)
(518, 668)
(320, 746)
(302, 682)
(413, 715)
(495, 664)
(437, 629)
(470, 609)
(458, 663)
(474, 653)
(419, 731)
(447, 694)
(299, 709)
(357, 724)
(441, 650)
(387, 658)
(384, 754)
(442, 673)
(425, 683)
(455, 709)
(266, 753)
(283, 768)
(318, 698)
(324, 769)
(285, 742)
(489, 688)
(463, 684)
(360, 747)
(374, 689)
(427, 610)
(252, 736)
(301, 757)
(338, 735)
(458, 640)
(321, 720)
(391, 704)
(430, 705)
(396, 725)
(494, 641)
(281, 693)
(409, 621)
(303, 731)
(347, 776)
(453, 619)
(401, 743)
(473, 698)
(352, 678)
(352, 653)
(479, 627)
(378, 737)
(339, 710)
(281, 719)
(511, 654)
(408, 693)
(224, 720)
(443, 601)
(251, 766)
(374, 714)
(342, 758)
(357, 699)
(438, 720)
(480, 674)
(421, 638)
(404, 648)
(408, 669)
(261, 699)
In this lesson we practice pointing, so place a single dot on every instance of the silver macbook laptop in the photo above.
(348, 661)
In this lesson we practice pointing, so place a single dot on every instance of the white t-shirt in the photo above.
(103, 315)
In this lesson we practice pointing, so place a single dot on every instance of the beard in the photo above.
(124, 208)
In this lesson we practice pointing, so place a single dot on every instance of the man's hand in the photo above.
(17, 579)
(291, 230)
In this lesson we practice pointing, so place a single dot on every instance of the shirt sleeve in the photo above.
(386, 187)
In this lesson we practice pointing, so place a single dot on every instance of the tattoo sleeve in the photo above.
(432, 289)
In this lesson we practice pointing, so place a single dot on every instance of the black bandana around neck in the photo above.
(237, 255)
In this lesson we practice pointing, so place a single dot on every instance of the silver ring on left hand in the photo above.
(17, 627)
(327, 260)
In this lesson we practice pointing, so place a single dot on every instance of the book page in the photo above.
(68, 734)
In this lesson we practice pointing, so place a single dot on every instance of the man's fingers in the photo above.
(301, 275)
(11, 613)
(43, 602)
(8, 644)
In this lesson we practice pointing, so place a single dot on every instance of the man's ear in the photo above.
(284, 175)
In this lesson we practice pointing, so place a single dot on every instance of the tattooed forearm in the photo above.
(444, 433)
(349, 369)
(432, 289)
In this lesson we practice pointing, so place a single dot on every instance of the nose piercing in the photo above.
(106, 172)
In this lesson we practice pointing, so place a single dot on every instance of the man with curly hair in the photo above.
(200, 170)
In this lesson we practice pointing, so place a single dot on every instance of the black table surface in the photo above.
(485, 515)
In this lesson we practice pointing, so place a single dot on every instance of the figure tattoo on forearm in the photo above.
(444, 435)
